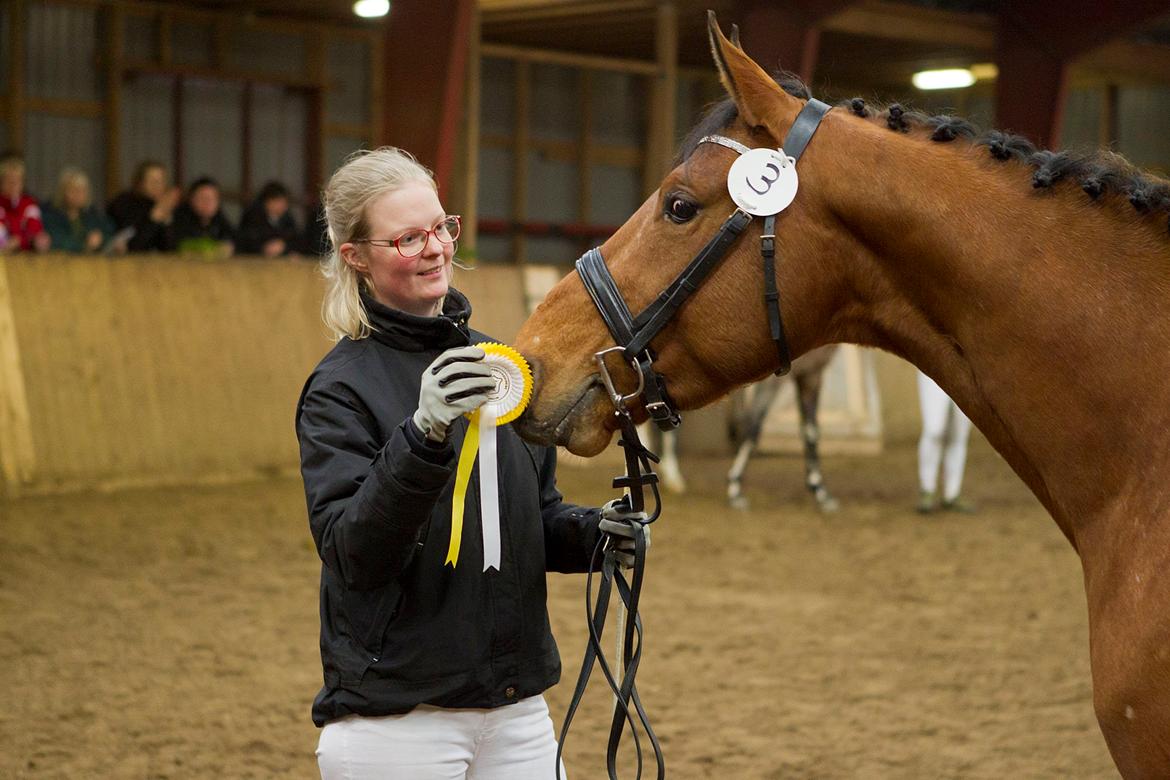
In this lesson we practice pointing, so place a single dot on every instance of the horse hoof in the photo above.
(829, 505)
(674, 483)
(740, 502)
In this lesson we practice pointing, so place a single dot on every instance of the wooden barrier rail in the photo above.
(158, 370)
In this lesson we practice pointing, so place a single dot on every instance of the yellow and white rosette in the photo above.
(512, 392)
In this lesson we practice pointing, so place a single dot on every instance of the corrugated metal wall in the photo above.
(213, 138)
(53, 74)
(64, 46)
(1082, 118)
(61, 56)
(1143, 119)
(60, 142)
(279, 127)
(147, 122)
(618, 103)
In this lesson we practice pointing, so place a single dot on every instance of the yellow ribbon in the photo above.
(505, 403)
(467, 457)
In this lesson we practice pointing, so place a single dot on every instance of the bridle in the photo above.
(633, 336)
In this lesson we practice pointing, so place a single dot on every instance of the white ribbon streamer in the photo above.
(489, 488)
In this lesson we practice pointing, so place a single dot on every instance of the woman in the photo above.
(72, 222)
(142, 215)
(268, 228)
(431, 671)
(200, 225)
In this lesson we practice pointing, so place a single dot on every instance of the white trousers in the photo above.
(514, 742)
(935, 445)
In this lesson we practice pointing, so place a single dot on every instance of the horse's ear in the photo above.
(735, 36)
(756, 94)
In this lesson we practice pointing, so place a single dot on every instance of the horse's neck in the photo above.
(1042, 314)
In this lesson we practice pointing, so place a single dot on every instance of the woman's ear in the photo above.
(352, 256)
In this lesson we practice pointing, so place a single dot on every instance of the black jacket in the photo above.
(256, 230)
(187, 226)
(132, 209)
(398, 627)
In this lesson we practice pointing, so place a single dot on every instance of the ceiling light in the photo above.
(371, 9)
(950, 78)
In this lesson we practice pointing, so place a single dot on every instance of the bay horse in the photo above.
(1034, 287)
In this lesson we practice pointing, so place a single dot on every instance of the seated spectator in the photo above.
(200, 225)
(142, 215)
(73, 223)
(268, 227)
(313, 241)
(19, 212)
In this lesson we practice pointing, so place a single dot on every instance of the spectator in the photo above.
(314, 242)
(142, 215)
(945, 430)
(268, 227)
(19, 212)
(73, 223)
(200, 225)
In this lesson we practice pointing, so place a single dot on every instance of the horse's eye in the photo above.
(679, 209)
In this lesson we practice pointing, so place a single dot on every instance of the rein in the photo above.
(633, 336)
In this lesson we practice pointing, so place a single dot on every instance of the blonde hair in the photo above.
(363, 177)
(68, 176)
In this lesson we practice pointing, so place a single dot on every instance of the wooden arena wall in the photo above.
(160, 370)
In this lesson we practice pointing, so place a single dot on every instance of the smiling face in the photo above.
(415, 285)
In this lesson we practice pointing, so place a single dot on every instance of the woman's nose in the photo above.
(434, 246)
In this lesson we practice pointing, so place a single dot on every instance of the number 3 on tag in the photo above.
(762, 182)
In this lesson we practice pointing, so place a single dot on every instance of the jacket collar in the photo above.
(411, 333)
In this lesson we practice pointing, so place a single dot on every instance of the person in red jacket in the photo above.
(19, 212)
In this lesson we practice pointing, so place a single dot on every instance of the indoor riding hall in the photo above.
(159, 586)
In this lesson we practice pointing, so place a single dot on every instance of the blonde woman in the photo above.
(431, 671)
(72, 221)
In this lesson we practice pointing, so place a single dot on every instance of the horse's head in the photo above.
(720, 338)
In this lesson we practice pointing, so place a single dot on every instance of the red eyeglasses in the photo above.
(412, 242)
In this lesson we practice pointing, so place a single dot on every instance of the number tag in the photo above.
(762, 182)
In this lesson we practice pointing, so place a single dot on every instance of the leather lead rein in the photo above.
(633, 336)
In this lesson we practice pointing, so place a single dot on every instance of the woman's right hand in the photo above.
(455, 384)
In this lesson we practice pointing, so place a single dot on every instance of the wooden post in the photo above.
(520, 159)
(17, 455)
(660, 128)
(17, 29)
(115, 46)
(470, 232)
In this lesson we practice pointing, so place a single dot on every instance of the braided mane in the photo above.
(1098, 173)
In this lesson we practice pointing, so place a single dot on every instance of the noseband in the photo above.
(634, 334)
